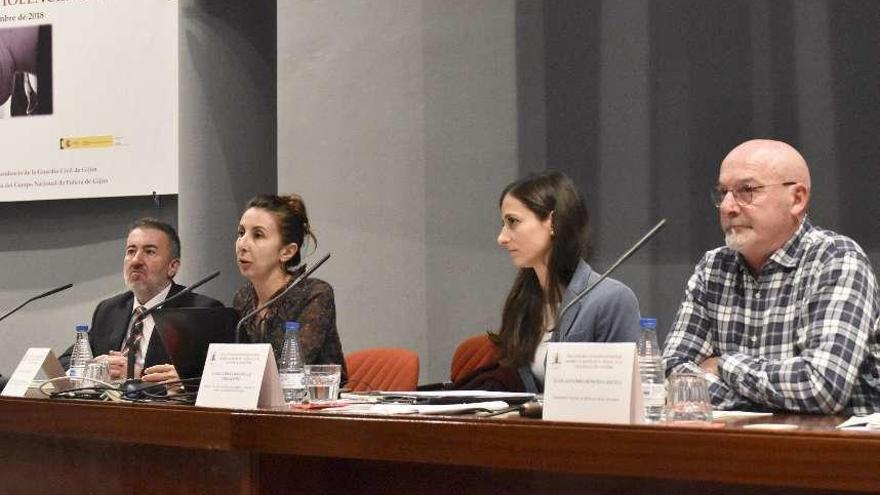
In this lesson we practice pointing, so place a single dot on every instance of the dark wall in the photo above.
(712, 74)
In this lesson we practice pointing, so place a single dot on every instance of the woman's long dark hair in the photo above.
(522, 322)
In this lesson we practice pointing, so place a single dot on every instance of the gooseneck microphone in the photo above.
(44, 294)
(641, 242)
(293, 284)
(142, 316)
(535, 409)
(178, 295)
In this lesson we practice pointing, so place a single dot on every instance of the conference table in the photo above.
(72, 446)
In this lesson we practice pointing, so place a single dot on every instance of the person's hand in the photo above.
(118, 365)
(710, 365)
(162, 373)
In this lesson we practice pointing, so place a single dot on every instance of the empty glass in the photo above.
(688, 400)
(96, 372)
(322, 382)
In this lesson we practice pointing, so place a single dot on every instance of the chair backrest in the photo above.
(474, 352)
(382, 368)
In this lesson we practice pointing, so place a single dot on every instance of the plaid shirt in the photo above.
(802, 337)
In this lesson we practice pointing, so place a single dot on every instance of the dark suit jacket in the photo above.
(110, 322)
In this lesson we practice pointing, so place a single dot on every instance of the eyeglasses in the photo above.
(743, 195)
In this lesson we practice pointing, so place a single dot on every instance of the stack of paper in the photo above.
(869, 422)
(395, 409)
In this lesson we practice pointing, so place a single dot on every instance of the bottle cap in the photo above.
(648, 322)
(82, 328)
(291, 326)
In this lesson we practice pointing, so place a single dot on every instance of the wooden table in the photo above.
(79, 447)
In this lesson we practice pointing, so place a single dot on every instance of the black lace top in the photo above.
(312, 305)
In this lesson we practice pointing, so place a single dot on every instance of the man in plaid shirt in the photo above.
(785, 316)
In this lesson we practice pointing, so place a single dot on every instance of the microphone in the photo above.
(651, 233)
(179, 295)
(44, 294)
(285, 291)
(142, 316)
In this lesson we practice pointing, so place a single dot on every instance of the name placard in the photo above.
(240, 376)
(35, 360)
(593, 383)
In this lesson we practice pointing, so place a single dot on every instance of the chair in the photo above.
(473, 352)
(382, 368)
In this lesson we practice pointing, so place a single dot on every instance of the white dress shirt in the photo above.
(149, 324)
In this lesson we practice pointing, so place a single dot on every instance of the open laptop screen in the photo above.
(187, 332)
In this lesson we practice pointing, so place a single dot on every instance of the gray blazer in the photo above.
(609, 313)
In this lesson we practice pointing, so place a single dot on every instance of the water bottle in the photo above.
(82, 352)
(290, 368)
(651, 370)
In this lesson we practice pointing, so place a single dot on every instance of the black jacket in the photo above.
(111, 318)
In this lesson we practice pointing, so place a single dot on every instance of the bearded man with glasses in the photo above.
(784, 317)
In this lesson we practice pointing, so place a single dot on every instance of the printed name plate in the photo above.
(240, 376)
(35, 360)
(593, 383)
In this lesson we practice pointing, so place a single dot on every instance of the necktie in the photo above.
(134, 339)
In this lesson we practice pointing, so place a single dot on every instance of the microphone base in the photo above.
(136, 389)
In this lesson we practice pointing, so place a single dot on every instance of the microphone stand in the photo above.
(645, 238)
(9, 313)
(534, 409)
(44, 294)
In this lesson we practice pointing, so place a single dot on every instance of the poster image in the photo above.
(88, 99)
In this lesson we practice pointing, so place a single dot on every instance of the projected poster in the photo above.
(88, 98)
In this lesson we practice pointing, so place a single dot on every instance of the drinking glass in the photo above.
(96, 371)
(322, 382)
(688, 399)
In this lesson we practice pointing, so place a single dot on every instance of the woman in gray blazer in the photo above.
(545, 229)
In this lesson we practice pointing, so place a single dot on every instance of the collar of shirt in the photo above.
(789, 254)
(161, 296)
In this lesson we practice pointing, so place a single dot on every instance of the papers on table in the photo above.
(396, 409)
(869, 422)
(738, 414)
(475, 394)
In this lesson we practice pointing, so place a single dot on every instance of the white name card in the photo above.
(240, 376)
(35, 360)
(593, 383)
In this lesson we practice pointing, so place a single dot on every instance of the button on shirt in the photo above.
(149, 324)
(802, 336)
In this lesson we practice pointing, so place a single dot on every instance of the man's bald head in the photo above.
(767, 186)
(780, 159)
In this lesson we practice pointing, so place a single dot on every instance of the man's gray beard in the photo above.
(732, 240)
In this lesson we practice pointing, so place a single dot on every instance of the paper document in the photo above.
(396, 409)
(432, 394)
(738, 414)
(871, 421)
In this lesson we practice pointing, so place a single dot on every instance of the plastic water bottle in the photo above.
(651, 369)
(291, 367)
(82, 352)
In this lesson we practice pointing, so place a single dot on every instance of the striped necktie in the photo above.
(132, 345)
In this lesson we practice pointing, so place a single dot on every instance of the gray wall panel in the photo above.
(399, 127)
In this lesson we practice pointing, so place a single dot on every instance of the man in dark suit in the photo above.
(152, 258)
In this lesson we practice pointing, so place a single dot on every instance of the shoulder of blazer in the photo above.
(119, 302)
(191, 300)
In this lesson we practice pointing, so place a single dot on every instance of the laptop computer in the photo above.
(186, 334)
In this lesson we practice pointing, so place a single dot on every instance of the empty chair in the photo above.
(473, 353)
(382, 368)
